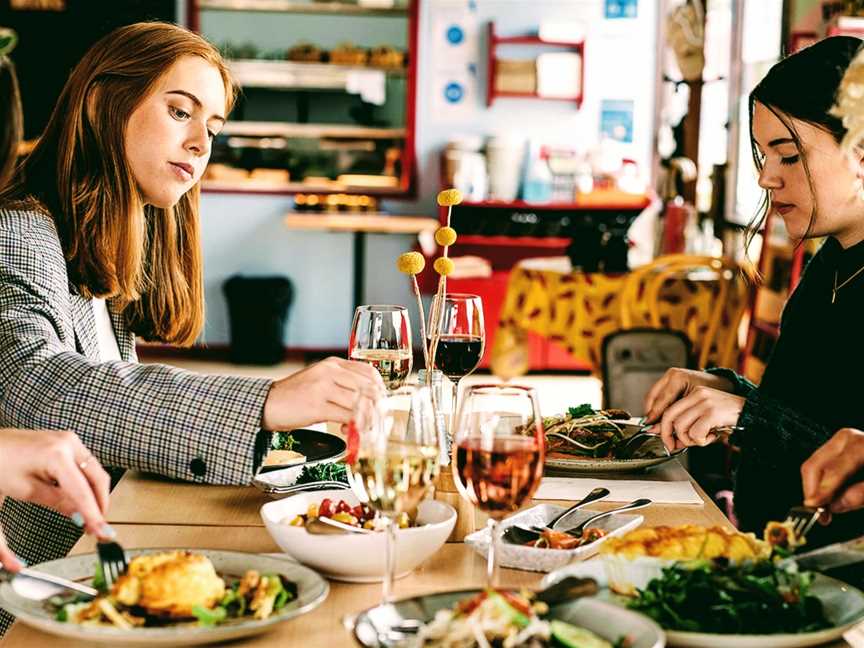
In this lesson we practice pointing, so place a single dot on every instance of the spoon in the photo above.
(520, 535)
(329, 526)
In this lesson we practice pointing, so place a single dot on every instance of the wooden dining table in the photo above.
(150, 511)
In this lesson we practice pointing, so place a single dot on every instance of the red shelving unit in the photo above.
(496, 41)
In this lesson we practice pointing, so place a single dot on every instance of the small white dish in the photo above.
(356, 558)
(545, 560)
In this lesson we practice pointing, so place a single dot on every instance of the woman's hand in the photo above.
(53, 469)
(676, 384)
(325, 391)
(829, 475)
(690, 420)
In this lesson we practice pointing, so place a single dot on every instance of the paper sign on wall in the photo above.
(621, 9)
(616, 119)
(455, 36)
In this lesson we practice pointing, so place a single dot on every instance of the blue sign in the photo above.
(455, 35)
(621, 9)
(616, 119)
(453, 92)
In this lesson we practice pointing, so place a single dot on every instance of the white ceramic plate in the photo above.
(311, 592)
(545, 560)
(609, 621)
(356, 557)
(843, 604)
(580, 465)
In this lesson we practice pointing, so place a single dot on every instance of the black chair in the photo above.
(634, 359)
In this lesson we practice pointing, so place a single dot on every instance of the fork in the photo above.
(628, 448)
(113, 560)
(311, 486)
(802, 519)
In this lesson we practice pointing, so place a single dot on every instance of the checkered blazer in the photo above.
(154, 418)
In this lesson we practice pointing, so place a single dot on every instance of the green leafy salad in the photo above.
(762, 597)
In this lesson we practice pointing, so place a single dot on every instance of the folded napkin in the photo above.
(621, 490)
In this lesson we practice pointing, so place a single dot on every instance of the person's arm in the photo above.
(54, 469)
(740, 385)
(771, 429)
(154, 418)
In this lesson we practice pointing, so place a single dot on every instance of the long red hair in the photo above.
(116, 247)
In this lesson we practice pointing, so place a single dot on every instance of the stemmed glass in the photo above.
(499, 450)
(381, 336)
(396, 459)
(463, 336)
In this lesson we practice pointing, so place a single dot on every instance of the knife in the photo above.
(839, 554)
(38, 586)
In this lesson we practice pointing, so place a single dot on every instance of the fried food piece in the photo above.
(170, 584)
(688, 542)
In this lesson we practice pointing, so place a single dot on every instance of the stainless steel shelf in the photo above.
(292, 6)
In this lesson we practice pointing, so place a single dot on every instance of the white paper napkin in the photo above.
(621, 490)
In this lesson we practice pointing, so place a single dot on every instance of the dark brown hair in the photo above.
(146, 257)
(803, 86)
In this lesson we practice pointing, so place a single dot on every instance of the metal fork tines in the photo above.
(113, 560)
(802, 519)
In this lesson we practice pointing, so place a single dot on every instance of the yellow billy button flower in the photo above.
(444, 266)
(411, 263)
(449, 197)
(445, 236)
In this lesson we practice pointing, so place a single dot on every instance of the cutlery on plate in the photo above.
(517, 534)
(300, 488)
(627, 449)
(579, 529)
(38, 586)
(113, 560)
(329, 526)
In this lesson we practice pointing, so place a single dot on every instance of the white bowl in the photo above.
(546, 560)
(356, 557)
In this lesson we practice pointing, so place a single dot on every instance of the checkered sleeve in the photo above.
(154, 418)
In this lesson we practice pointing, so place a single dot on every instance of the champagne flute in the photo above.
(396, 460)
(463, 336)
(381, 336)
(499, 450)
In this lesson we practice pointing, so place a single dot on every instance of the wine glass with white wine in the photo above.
(381, 336)
(396, 460)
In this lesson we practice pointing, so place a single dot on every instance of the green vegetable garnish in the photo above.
(282, 441)
(323, 472)
(99, 582)
(582, 410)
(209, 618)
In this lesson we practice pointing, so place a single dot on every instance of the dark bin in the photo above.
(258, 310)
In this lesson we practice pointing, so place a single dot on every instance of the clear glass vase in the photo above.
(441, 403)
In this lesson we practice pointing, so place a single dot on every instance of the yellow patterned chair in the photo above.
(705, 297)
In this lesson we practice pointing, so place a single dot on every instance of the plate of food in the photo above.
(712, 588)
(302, 447)
(173, 597)
(520, 619)
(585, 440)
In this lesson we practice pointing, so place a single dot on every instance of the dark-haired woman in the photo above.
(810, 387)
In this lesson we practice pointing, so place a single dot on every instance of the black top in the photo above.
(812, 387)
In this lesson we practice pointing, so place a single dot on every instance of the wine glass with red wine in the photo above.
(463, 336)
(499, 448)
(381, 336)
